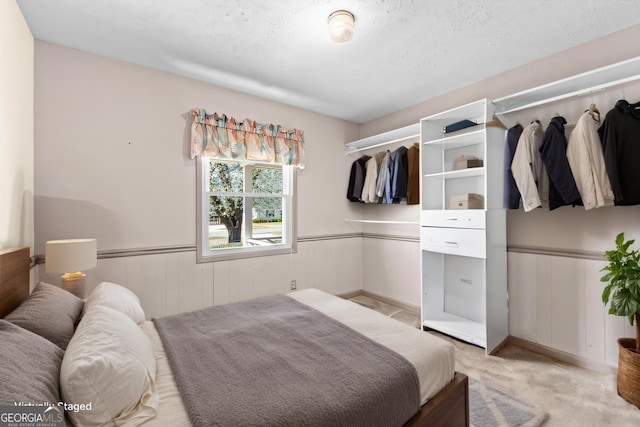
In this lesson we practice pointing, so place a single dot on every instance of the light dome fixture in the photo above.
(341, 25)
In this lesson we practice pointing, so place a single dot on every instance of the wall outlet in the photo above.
(293, 285)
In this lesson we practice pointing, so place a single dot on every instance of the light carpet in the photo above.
(491, 407)
(571, 396)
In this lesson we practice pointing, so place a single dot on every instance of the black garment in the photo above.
(562, 187)
(511, 193)
(620, 137)
(356, 179)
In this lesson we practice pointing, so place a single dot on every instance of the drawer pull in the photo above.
(451, 243)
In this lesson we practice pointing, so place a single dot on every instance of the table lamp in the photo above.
(70, 257)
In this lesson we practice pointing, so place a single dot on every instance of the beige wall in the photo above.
(112, 162)
(112, 152)
(16, 128)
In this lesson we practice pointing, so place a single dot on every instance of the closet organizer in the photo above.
(366, 171)
(598, 159)
(463, 226)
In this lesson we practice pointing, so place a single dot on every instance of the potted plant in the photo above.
(623, 290)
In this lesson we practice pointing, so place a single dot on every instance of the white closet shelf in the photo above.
(461, 173)
(578, 85)
(377, 221)
(391, 137)
(474, 137)
(459, 327)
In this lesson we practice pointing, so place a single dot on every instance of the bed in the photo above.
(443, 393)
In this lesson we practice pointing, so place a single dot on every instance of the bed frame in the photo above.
(450, 407)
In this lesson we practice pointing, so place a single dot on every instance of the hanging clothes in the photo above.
(356, 179)
(371, 178)
(511, 194)
(383, 178)
(528, 169)
(584, 152)
(562, 187)
(620, 136)
(413, 169)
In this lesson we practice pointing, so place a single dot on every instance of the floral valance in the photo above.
(225, 138)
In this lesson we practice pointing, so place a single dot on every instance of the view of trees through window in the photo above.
(245, 193)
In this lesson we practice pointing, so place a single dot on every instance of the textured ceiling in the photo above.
(403, 52)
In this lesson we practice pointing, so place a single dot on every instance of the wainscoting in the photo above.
(555, 303)
(391, 268)
(172, 282)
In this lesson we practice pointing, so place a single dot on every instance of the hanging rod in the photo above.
(576, 93)
(355, 150)
(376, 221)
(581, 84)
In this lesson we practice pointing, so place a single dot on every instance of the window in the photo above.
(244, 209)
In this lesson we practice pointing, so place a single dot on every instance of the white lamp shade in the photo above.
(341, 26)
(67, 256)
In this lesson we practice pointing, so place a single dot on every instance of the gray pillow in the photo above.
(50, 312)
(30, 368)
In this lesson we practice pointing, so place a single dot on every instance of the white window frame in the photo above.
(288, 245)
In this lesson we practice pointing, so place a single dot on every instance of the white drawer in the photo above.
(454, 241)
(472, 218)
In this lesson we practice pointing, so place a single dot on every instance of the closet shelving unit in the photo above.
(391, 137)
(463, 252)
(587, 83)
(394, 136)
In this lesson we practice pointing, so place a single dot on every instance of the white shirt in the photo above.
(528, 169)
(584, 151)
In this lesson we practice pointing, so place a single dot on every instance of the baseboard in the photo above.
(351, 294)
(562, 356)
(403, 305)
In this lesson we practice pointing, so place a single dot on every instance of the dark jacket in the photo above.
(356, 179)
(562, 187)
(620, 137)
(511, 193)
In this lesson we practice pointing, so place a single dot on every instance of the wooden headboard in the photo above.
(14, 278)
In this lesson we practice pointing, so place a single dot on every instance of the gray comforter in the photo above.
(276, 361)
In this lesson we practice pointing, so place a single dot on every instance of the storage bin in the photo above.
(466, 201)
(465, 162)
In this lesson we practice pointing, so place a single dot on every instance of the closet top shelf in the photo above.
(580, 84)
(390, 137)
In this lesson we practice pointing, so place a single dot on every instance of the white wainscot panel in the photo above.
(521, 284)
(544, 298)
(173, 283)
(336, 265)
(391, 268)
(614, 328)
(153, 286)
(595, 311)
(556, 302)
(568, 305)
(165, 283)
(196, 283)
(333, 266)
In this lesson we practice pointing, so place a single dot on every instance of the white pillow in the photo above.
(118, 298)
(109, 363)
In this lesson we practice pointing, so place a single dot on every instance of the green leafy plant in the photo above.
(623, 283)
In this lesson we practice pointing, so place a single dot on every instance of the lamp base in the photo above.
(74, 283)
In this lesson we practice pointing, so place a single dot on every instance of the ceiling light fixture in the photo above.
(341, 25)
